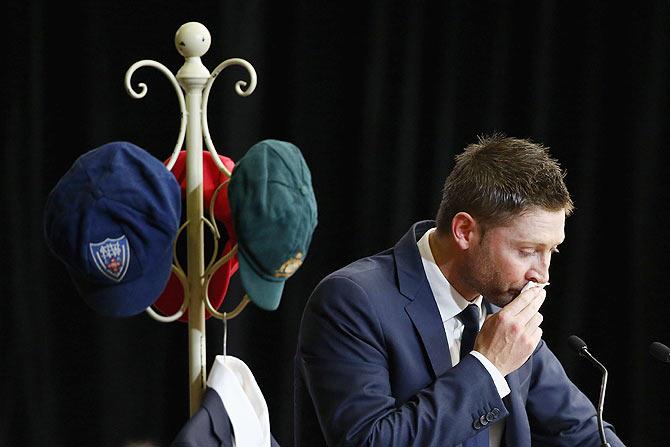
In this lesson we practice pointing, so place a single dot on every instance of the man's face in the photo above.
(500, 263)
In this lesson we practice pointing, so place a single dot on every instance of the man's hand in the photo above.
(510, 336)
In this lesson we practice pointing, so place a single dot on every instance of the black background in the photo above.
(379, 97)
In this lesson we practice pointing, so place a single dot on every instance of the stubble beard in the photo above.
(481, 274)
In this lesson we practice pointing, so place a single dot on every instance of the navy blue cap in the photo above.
(274, 215)
(112, 219)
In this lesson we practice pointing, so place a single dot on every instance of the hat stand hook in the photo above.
(192, 84)
(181, 276)
(239, 88)
(143, 91)
(213, 267)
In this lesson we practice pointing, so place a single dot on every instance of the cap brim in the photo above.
(265, 294)
(125, 299)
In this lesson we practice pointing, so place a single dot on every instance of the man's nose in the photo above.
(540, 270)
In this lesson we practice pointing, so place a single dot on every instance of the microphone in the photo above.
(660, 352)
(579, 346)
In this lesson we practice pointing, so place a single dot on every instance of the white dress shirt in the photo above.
(245, 404)
(450, 303)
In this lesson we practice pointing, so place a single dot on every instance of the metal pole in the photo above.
(192, 41)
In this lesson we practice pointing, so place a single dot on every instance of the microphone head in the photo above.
(659, 351)
(576, 343)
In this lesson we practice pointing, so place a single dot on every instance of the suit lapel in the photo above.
(218, 416)
(422, 308)
(426, 319)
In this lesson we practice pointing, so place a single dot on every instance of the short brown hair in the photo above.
(500, 177)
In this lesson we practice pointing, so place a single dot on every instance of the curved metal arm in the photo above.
(175, 259)
(228, 315)
(208, 276)
(213, 228)
(184, 305)
(180, 97)
(212, 202)
(179, 272)
(239, 88)
(217, 265)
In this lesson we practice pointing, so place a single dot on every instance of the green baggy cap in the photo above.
(274, 215)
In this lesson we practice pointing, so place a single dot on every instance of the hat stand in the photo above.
(192, 41)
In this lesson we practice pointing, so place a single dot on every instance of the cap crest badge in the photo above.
(289, 267)
(111, 257)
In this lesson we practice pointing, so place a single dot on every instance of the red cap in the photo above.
(172, 297)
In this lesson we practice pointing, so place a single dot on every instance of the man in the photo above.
(379, 359)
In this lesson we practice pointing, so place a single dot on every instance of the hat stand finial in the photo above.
(192, 41)
(192, 84)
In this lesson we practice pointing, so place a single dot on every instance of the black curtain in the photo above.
(379, 96)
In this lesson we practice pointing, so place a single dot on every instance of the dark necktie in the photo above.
(470, 319)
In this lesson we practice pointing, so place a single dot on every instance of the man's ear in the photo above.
(464, 230)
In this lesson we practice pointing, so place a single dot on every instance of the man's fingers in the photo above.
(520, 302)
(535, 321)
(531, 300)
(531, 309)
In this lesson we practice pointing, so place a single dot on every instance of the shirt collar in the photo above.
(449, 302)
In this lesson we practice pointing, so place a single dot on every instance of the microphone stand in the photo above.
(601, 400)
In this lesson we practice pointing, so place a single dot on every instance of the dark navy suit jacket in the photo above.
(209, 426)
(373, 368)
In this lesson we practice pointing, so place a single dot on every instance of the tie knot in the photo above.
(470, 317)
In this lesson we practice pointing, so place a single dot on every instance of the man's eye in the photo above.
(526, 253)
